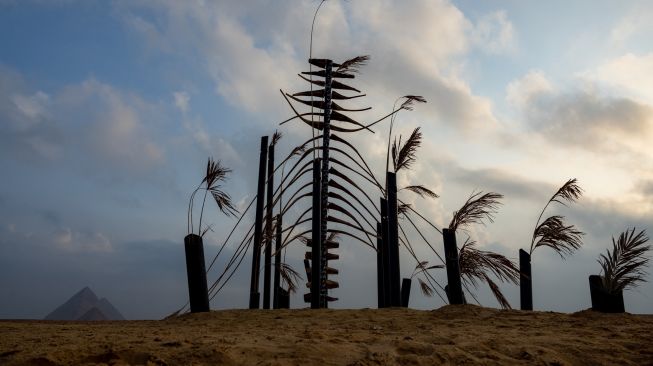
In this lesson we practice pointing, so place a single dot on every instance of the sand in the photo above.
(465, 335)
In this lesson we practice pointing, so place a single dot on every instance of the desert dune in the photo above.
(464, 334)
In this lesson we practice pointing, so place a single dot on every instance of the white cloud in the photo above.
(520, 92)
(415, 49)
(630, 74)
(182, 100)
(494, 33)
(638, 22)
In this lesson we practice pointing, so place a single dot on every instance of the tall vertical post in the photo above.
(269, 229)
(254, 295)
(277, 264)
(405, 291)
(455, 290)
(326, 136)
(316, 235)
(393, 238)
(385, 247)
(525, 281)
(196, 271)
(380, 285)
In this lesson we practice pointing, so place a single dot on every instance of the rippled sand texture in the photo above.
(450, 335)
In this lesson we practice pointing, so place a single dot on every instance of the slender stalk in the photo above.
(199, 227)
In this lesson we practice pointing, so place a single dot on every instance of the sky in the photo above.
(110, 109)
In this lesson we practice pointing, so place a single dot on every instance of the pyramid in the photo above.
(85, 305)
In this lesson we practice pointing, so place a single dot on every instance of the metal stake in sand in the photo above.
(525, 281)
(269, 229)
(455, 290)
(393, 240)
(316, 247)
(198, 292)
(254, 295)
(380, 285)
(277, 265)
(405, 291)
(385, 248)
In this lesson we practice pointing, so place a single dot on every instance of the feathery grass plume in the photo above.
(403, 208)
(289, 276)
(425, 288)
(404, 156)
(623, 268)
(216, 173)
(410, 101)
(476, 265)
(552, 232)
(420, 268)
(478, 206)
(276, 136)
(211, 183)
(421, 191)
(353, 65)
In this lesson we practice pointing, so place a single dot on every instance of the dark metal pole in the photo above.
(254, 295)
(455, 290)
(198, 292)
(326, 136)
(405, 291)
(525, 281)
(277, 264)
(393, 238)
(269, 229)
(316, 235)
(385, 247)
(380, 286)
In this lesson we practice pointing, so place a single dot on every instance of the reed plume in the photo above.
(478, 207)
(553, 232)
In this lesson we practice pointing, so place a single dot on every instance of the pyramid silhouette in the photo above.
(85, 305)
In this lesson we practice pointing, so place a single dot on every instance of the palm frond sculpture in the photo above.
(343, 202)
(623, 267)
(553, 232)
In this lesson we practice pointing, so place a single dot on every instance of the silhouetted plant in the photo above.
(421, 268)
(553, 232)
(211, 183)
(475, 265)
(289, 276)
(623, 268)
(478, 206)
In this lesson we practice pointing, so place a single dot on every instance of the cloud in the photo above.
(494, 33)
(90, 120)
(630, 74)
(637, 23)
(181, 100)
(73, 241)
(582, 116)
(34, 106)
(249, 57)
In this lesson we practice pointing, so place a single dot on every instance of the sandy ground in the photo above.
(468, 335)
